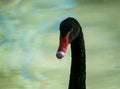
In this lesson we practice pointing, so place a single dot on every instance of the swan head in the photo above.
(69, 29)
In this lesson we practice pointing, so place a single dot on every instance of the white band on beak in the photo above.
(60, 54)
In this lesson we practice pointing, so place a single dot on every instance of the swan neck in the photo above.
(78, 64)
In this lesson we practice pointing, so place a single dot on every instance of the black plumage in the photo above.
(78, 62)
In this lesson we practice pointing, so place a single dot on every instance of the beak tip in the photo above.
(60, 54)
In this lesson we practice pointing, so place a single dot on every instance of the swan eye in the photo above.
(63, 33)
(65, 29)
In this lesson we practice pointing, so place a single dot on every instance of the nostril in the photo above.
(60, 54)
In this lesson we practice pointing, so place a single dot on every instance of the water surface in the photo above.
(29, 32)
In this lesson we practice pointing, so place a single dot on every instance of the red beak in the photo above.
(64, 42)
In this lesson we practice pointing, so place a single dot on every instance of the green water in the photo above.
(29, 32)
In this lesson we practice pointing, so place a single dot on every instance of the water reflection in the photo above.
(22, 22)
(45, 6)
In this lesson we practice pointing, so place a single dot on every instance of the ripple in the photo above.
(43, 6)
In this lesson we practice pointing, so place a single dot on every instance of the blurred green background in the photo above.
(29, 37)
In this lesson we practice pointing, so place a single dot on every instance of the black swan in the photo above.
(71, 32)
